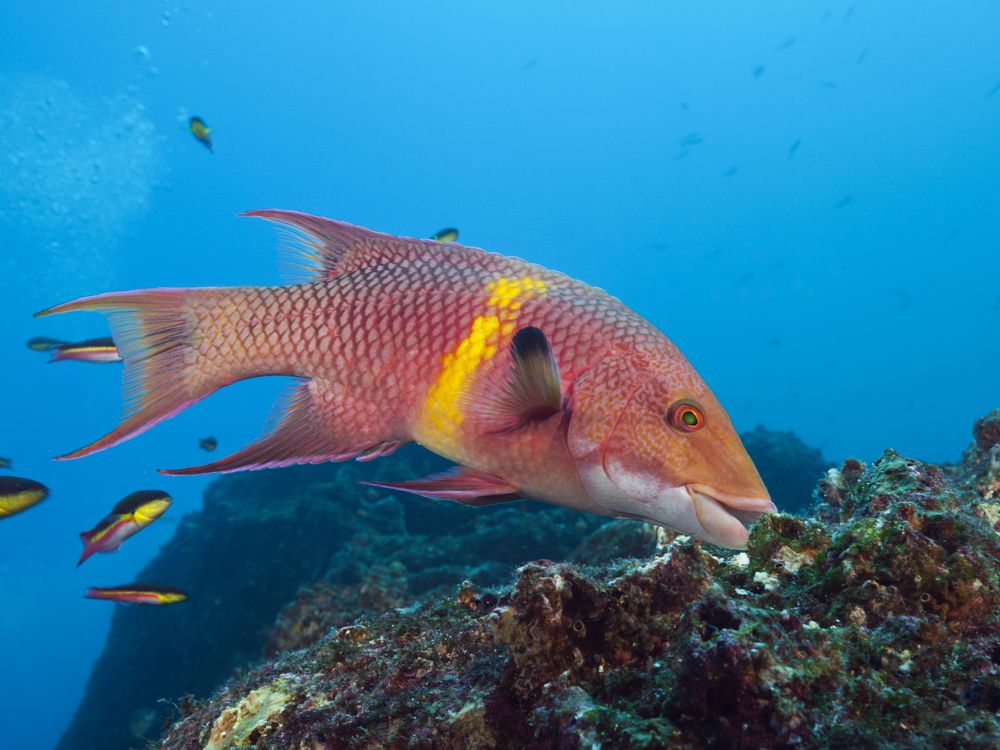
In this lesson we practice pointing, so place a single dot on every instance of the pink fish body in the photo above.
(536, 384)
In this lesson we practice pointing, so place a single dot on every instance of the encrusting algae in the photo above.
(872, 623)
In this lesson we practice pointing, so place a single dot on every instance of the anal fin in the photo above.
(311, 424)
(461, 484)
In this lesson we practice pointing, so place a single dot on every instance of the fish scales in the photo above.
(400, 340)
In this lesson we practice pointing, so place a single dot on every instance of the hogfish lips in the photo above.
(536, 384)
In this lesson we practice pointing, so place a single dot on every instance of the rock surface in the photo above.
(279, 558)
(873, 624)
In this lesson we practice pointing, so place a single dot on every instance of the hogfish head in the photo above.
(658, 446)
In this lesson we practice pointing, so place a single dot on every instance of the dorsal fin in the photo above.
(320, 248)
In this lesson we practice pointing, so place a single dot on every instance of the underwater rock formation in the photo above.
(279, 558)
(261, 537)
(874, 623)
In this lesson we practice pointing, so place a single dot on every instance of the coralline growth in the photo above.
(872, 623)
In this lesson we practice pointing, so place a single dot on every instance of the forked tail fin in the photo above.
(156, 331)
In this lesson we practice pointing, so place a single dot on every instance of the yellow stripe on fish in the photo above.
(441, 415)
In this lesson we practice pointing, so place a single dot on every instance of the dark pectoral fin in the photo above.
(525, 391)
(461, 484)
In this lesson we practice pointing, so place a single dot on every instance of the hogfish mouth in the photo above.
(726, 518)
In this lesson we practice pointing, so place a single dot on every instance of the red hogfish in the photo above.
(535, 384)
(130, 516)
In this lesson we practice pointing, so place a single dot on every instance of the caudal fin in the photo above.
(155, 331)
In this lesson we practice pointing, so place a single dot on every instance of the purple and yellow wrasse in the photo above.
(138, 593)
(537, 385)
(208, 443)
(128, 517)
(449, 234)
(201, 132)
(18, 494)
(92, 350)
(43, 344)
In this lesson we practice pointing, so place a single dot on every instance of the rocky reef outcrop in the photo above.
(277, 560)
(872, 623)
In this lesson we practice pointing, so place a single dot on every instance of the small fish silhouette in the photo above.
(843, 202)
(794, 147)
(731, 171)
(201, 132)
(785, 44)
(758, 71)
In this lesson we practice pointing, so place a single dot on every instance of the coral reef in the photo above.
(874, 623)
(307, 547)
(278, 559)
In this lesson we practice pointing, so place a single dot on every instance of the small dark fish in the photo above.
(826, 16)
(744, 278)
(828, 85)
(682, 154)
(794, 147)
(953, 234)
(731, 171)
(684, 106)
(785, 44)
(138, 593)
(864, 56)
(994, 91)
(18, 494)
(758, 71)
(531, 63)
(843, 202)
(6, 463)
(42, 344)
(848, 13)
(448, 234)
(208, 443)
(904, 299)
(201, 132)
(691, 139)
(773, 341)
(130, 516)
(91, 350)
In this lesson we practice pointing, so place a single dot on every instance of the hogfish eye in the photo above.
(685, 416)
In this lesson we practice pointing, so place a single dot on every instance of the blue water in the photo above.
(813, 222)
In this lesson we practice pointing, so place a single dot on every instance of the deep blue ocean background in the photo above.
(803, 195)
